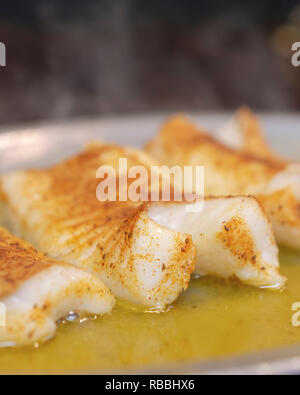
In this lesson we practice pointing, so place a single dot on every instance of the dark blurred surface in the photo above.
(69, 58)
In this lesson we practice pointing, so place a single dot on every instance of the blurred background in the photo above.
(94, 57)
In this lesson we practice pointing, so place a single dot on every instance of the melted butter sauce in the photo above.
(211, 319)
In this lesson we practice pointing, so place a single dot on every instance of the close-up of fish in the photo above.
(243, 133)
(149, 190)
(66, 221)
(233, 172)
(233, 238)
(58, 211)
(37, 291)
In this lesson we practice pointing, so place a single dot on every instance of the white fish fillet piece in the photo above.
(135, 248)
(281, 195)
(58, 211)
(233, 237)
(233, 172)
(36, 291)
(243, 132)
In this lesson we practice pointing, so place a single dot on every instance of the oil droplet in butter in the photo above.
(211, 319)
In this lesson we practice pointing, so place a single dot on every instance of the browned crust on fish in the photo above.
(236, 237)
(68, 190)
(18, 262)
(283, 206)
(64, 198)
(179, 130)
(181, 142)
(254, 141)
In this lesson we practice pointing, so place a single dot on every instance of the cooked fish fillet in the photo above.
(36, 291)
(58, 211)
(231, 172)
(143, 252)
(282, 195)
(243, 132)
(233, 237)
(227, 172)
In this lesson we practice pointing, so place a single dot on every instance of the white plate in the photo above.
(46, 143)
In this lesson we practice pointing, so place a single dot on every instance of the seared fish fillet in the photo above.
(143, 251)
(243, 132)
(58, 211)
(233, 237)
(36, 291)
(231, 172)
